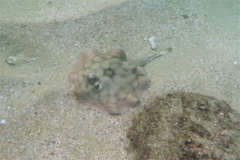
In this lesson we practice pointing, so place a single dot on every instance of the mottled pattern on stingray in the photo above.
(108, 82)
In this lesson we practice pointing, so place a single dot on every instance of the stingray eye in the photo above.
(97, 86)
(91, 78)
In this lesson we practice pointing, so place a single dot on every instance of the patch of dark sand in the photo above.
(186, 126)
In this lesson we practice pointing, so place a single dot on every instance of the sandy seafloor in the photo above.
(40, 116)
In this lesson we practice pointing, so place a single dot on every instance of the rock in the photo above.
(152, 42)
(3, 122)
(11, 60)
(185, 126)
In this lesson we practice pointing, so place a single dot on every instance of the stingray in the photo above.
(109, 82)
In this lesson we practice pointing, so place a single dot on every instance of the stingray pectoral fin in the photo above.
(87, 55)
(118, 53)
(141, 71)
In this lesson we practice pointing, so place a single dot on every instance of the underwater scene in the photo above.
(120, 79)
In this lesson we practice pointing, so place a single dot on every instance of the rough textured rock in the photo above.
(186, 126)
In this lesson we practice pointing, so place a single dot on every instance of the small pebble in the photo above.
(3, 122)
(11, 60)
(185, 16)
(152, 42)
(235, 62)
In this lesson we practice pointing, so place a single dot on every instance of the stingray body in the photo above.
(109, 82)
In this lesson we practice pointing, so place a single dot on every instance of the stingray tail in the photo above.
(146, 60)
